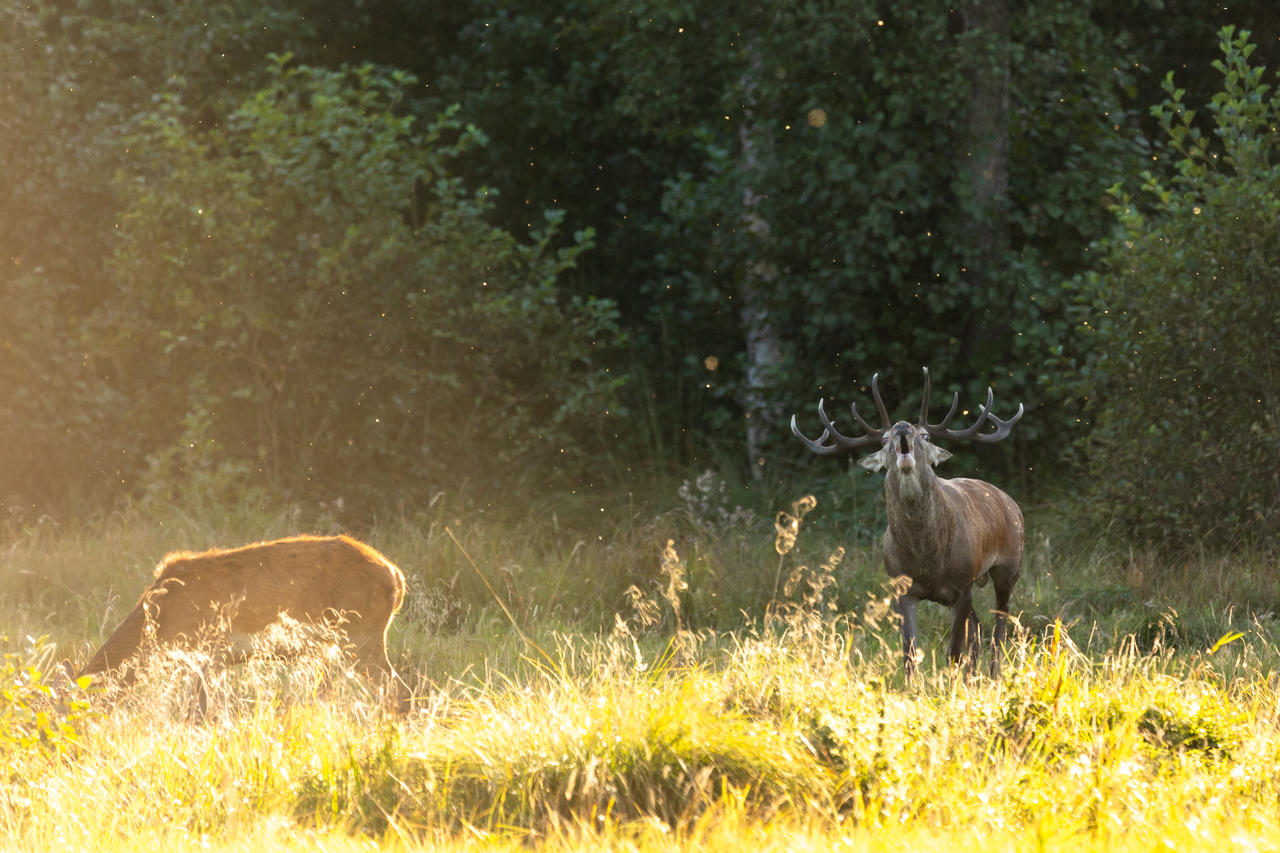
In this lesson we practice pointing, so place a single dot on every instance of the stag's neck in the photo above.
(916, 492)
(917, 510)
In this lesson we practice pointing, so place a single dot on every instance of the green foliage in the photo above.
(53, 203)
(1196, 725)
(309, 298)
(659, 130)
(1186, 386)
(77, 76)
(41, 710)
(854, 117)
(150, 377)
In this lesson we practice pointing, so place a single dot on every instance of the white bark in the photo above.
(762, 338)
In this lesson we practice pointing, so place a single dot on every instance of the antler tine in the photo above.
(924, 406)
(951, 413)
(873, 436)
(1002, 427)
(941, 430)
(827, 425)
(875, 395)
(839, 441)
(924, 403)
(816, 446)
(972, 432)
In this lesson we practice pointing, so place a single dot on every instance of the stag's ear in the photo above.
(876, 461)
(934, 454)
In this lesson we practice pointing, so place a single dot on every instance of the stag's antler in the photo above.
(839, 442)
(940, 430)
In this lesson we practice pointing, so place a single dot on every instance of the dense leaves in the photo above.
(41, 709)
(1187, 312)
(332, 304)
(410, 255)
(810, 165)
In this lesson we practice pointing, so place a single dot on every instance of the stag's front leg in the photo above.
(907, 608)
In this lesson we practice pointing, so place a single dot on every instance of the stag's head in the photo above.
(905, 448)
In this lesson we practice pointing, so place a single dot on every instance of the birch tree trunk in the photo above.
(760, 276)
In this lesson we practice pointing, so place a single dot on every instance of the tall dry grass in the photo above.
(647, 745)
(1138, 707)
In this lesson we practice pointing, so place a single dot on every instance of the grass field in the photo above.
(1137, 709)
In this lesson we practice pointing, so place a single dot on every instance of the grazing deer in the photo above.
(230, 597)
(944, 536)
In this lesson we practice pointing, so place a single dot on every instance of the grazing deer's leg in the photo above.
(907, 608)
(198, 707)
(376, 666)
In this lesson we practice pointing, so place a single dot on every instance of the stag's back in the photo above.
(988, 527)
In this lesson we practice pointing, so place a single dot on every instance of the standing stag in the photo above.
(944, 536)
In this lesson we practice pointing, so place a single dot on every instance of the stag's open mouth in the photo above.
(906, 458)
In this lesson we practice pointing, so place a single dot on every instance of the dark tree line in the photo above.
(366, 251)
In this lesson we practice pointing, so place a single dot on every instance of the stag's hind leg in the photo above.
(965, 630)
(1003, 579)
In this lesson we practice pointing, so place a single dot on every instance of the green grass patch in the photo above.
(600, 706)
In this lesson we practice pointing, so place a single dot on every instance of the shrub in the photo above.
(309, 295)
(1186, 385)
(37, 712)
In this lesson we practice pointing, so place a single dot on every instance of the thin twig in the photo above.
(510, 616)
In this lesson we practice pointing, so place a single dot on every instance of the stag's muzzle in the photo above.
(903, 435)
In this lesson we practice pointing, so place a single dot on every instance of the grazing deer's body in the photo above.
(944, 536)
(232, 596)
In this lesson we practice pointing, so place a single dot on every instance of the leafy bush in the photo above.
(37, 713)
(1184, 724)
(1186, 321)
(308, 296)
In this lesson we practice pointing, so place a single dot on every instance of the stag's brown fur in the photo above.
(944, 536)
(233, 595)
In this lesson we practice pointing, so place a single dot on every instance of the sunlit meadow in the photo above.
(1137, 709)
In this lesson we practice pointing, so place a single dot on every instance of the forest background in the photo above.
(524, 295)
(360, 260)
